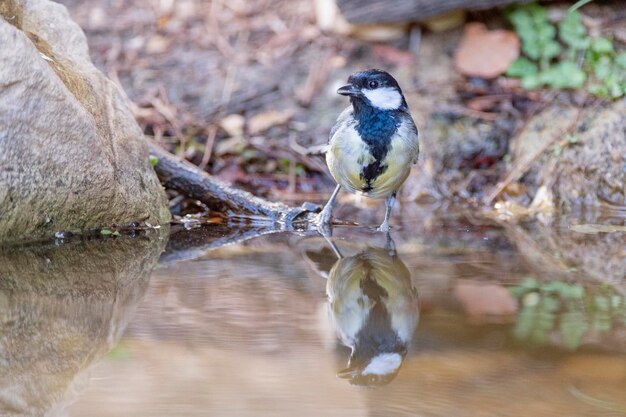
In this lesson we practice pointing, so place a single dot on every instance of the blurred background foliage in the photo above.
(246, 90)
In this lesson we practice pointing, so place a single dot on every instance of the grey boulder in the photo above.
(72, 157)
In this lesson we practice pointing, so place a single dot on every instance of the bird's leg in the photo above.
(334, 247)
(389, 201)
(323, 218)
(390, 245)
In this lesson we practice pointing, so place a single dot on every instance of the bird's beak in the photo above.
(348, 373)
(349, 90)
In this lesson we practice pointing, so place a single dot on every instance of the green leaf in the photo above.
(616, 301)
(520, 18)
(550, 303)
(544, 30)
(573, 325)
(563, 75)
(602, 46)
(579, 4)
(551, 49)
(531, 81)
(614, 86)
(107, 232)
(538, 14)
(620, 60)
(546, 63)
(531, 299)
(525, 323)
(532, 49)
(153, 160)
(573, 32)
(602, 67)
(528, 284)
(535, 31)
(602, 303)
(521, 67)
(599, 90)
(602, 321)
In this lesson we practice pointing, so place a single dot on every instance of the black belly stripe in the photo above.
(376, 128)
(370, 173)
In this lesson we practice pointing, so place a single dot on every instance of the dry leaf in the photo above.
(508, 210)
(542, 202)
(261, 122)
(233, 124)
(392, 55)
(486, 53)
(234, 146)
(157, 44)
(326, 13)
(485, 299)
(382, 32)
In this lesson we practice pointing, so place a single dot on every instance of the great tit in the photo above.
(373, 143)
(374, 309)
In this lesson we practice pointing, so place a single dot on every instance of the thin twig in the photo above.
(304, 150)
(292, 176)
(208, 146)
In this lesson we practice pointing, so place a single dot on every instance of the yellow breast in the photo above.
(348, 155)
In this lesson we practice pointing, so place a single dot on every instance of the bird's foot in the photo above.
(322, 218)
(322, 223)
(384, 227)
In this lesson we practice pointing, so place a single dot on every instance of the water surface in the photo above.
(465, 318)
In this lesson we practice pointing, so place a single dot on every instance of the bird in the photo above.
(374, 308)
(373, 143)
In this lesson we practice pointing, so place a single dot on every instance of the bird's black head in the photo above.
(375, 88)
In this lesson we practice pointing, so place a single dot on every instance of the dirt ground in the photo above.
(245, 89)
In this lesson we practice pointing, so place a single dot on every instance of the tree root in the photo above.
(189, 180)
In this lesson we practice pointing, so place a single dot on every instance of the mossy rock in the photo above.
(61, 308)
(72, 156)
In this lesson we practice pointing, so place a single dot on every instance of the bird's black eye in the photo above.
(373, 84)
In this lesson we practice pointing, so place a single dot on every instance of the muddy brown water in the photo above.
(466, 317)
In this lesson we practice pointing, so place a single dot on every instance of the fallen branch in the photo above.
(378, 11)
(185, 245)
(188, 179)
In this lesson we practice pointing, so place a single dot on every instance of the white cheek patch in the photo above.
(385, 98)
(383, 364)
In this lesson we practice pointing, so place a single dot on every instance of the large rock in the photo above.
(71, 154)
(585, 178)
(62, 308)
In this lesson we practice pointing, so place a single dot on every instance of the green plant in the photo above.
(107, 232)
(608, 67)
(537, 34)
(285, 166)
(573, 62)
(579, 4)
(568, 309)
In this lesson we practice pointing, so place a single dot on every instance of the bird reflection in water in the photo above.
(373, 306)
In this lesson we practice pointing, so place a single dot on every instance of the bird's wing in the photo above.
(343, 118)
(415, 145)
